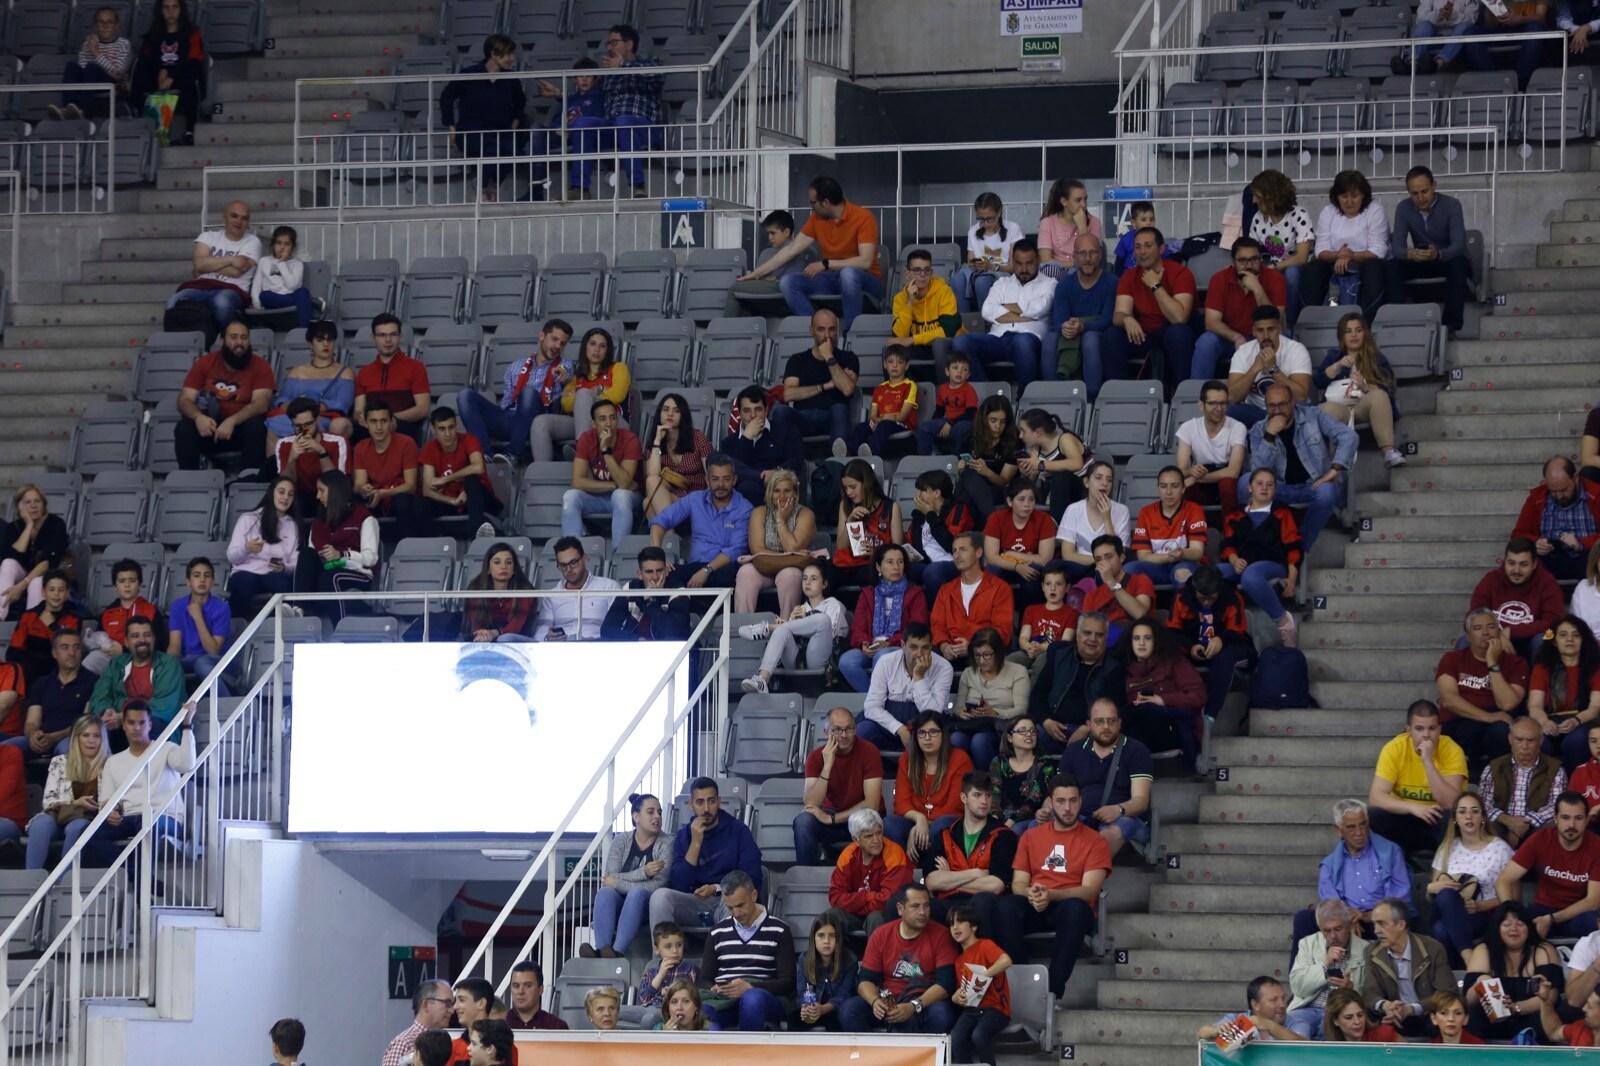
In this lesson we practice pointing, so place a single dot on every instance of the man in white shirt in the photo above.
(1270, 358)
(153, 791)
(1018, 310)
(905, 682)
(1211, 451)
(561, 617)
(224, 266)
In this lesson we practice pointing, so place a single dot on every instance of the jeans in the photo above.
(87, 74)
(752, 1012)
(834, 420)
(1090, 345)
(1307, 1021)
(583, 139)
(897, 827)
(851, 284)
(1248, 414)
(1577, 926)
(977, 738)
(1071, 920)
(933, 577)
(855, 666)
(244, 587)
(1320, 503)
(1219, 674)
(1256, 583)
(488, 421)
(227, 303)
(1291, 280)
(1456, 272)
(1172, 345)
(972, 288)
(621, 504)
(1021, 350)
(1446, 52)
(102, 847)
(810, 835)
(1209, 350)
(1528, 54)
(670, 905)
(1315, 276)
(902, 711)
(876, 438)
(202, 665)
(636, 134)
(1482, 741)
(930, 443)
(249, 442)
(42, 829)
(1174, 574)
(1454, 927)
(1408, 832)
(972, 1038)
(299, 299)
(855, 1016)
(619, 916)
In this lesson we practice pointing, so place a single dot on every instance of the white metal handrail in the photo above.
(37, 167)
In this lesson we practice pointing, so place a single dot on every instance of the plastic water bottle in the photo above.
(809, 996)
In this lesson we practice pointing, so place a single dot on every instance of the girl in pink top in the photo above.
(1066, 214)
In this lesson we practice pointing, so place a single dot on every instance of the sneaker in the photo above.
(841, 450)
(638, 192)
(1288, 631)
(503, 457)
(754, 683)
(865, 451)
(73, 112)
(1400, 63)
(298, 612)
(587, 951)
(56, 112)
(485, 531)
(1392, 458)
(756, 631)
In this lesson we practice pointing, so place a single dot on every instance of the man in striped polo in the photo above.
(749, 960)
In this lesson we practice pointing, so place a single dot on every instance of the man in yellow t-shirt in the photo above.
(1419, 775)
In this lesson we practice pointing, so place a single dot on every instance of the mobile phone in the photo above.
(557, 631)
(966, 457)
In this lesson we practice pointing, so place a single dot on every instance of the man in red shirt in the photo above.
(310, 452)
(454, 480)
(1121, 596)
(1059, 869)
(1566, 859)
(846, 235)
(843, 775)
(386, 467)
(224, 403)
(1523, 595)
(395, 378)
(1232, 296)
(607, 475)
(908, 972)
(1479, 688)
(1150, 318)
(527, 999)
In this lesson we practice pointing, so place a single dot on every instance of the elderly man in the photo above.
(1116, 773)
(1267, 1005)
(1480, 686)
(1519, 790)
(1018, 310)
(1565, 860)
(1151, 316)
(869, 874)
(844, 775)
(224, 264)
(1562, 518)
(749, 959)
(431, 1005)
(1075, 674)
(1419, 776)
(1332, 957)
(1403, 969)
(1362, 869)
(1081, 314)
(905, 682)
(1309, 452)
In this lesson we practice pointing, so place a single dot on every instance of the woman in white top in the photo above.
(1284, 229)
(70, 792)
(264, 547)
(1094, 515)
(280, 278)
(820, 622)
(1352, 240)
(1586, 597)
(1461, 914)
(989, 244)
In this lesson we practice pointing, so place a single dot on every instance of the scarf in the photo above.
(888, 600)
(547, 384)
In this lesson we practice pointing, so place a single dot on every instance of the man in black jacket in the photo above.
(648, 617)
(1074, 676)
(761, 446)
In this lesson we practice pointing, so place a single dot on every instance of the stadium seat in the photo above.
(660, 354)
(503, 289)
(1482, 98)
(177, 564)
(1231, 29)
(1251, 115)
(643, 285)
(38, 27)
(434, 292)
(188, 506)
(1548, 115)
(718, 17)
(772, 812)
(682, 51)
(1033, 1008)
(531, 22)
(733, 354)
(370, 137)
(416, 97)
(1181, 409)
(137, 154)
(53, 156)
(903, 489)
(363, 629)
(1305, 27)
(1408, 335)
(1067, 400)
(102, 593)
(107, 437)
(511, 342)
(419, 564)
(574, 285)
(1397, 105)
(473, 558)
(363, 289)
(947, 259)
(801, 893)
(867, 335)
(1127, 415)
(579, 977)
(543, 485)
(42, 69)
(1195, 111)
(467, 22)
(1373, 24)
(773, 304)
(116, 507)
(296, 631)
(450, 353)
(707, 274)
(361, 349)
(591, 19)
(1137, 483)
(624, 562)
(1318, 329)
(762, 740)
(159, 448)
(792, 336)
(231, 27)
(1334, 105)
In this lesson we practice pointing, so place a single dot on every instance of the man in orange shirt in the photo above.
(976, 599)
(847, 237)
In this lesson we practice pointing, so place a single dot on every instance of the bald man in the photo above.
(224, 264)
(1562, 518)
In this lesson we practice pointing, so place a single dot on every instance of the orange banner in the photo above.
(630, 1048)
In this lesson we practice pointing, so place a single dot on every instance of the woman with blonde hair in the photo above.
(33, 542)
(1358, 384)
(70, 792)
(602, 1005)
(1465, 869)
(780, 546)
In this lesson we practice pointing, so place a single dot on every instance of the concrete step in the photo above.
(175, 248)
(1334, 664)
(1428, 527)
(1368, 555)
(1498, 476)
(1241, 753)
(1377, 631)
(20, 383)
(36, 453)
(1471, 398)
(1442, 503)
(266, 68)
(94, 357)
(79, 293)
(182, 157)
(1543, 279)
(1251, 870)
(1127, 892)
(1138, 1029)
(1187, 932)
(1362, 694)
(254, 111)
(1210, 996)
(1561, 425)
(404, 9)
(1524, 451)
(1122, 1054)
(1575, 232)
(188, 202)
(1296, 811)
(1383, 580)
(1308, 726)
(225, 180)
(58, 408)
(1292, 781)
(1185, 840)
(1515, 340)
(59, 314)
(1159, 965)
(112, 337)
(1552, 302)
(338, 26)
(1567, 254)
(243, 92)
(169, 272)
(1582, 377)
(1580, 209)
(1376, 608)
(229, 135)
(339, 49)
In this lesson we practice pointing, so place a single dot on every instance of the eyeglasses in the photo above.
(988, 218)
(1025, 731)
(983, 655)
(919, 270)
(305, 425)
(570, 564)
(436, 999)
(841, 730)
(1252, 261)
(1213, 403)
(930, 732)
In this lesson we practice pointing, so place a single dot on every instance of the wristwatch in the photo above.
(916, 1005)
(1495, 669)
(830, 361)
(1117, 587)
(824, 264)
(605, 451)
(1122, 810)
(1156, 287)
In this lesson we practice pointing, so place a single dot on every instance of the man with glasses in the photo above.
(1081, 313)
(846, 235)
(971, 863)
(1309, 452)
(1232, 297)
(1018, 310)
(843, 775)
(485, 114)
(1329, 957)
(925, 315)
(1115, 773)
(633, 101)
(1211, 451)
(105, 58)
(1432, 224)
(431, 1005)
(394, 377)
(572, 617)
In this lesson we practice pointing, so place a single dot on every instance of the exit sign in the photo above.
(1041, 46)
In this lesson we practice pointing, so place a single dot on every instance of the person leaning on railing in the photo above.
(484, 114)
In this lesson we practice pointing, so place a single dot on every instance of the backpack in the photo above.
(826, 494)
(191, 316)
(1281, 680)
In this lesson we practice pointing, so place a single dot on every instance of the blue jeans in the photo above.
(87, 74)
(876, 438)
(42, 829)
(810, 835)
(201, 665)
(1021, 350)
(1247, 414)
(902, 711)
(620, 504)
(27, 749)
(630, 137)
(833, 420)
(1307, 1021)
(1071, 920)
(583, 139)
(977, 738)
(1291, 310)
(488, 421)
(751, 1012)
(855, 1016)
(1578, 926)
(244, 587)
(851, 284)
(1209, 350)
(933, 577)
(972, 1037)
(930, 443)
(1174, 574)
(104, 846)
(226, 304)
(1320, 503)
(619, 916)
(1094, 367)
(856, 667)
(1426, 30)
(1453, 926)
(299, 299)
(897, 827)
(972, 288)
(1256, 583)
(1528, 54)
(1173, 344)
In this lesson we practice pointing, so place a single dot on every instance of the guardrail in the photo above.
(58, 175)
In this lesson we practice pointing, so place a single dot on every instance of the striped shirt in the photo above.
(113, 57)
(762, 954)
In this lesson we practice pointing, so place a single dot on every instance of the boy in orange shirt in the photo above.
(893, 410)
(982, 991)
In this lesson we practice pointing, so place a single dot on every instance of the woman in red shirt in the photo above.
(927, 787)
(1019, 540)
(486, 619)
(1347, 1021)
(1564, 690)
(1165, 694)
(1448, 1013)
(867, 519)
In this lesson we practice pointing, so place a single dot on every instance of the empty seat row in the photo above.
(537, 22)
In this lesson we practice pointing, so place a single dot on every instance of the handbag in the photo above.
(1342, 391)
(159, 107)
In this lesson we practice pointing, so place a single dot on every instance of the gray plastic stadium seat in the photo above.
(1318, 329)
(541, 51)
(1373, 24)
(1126, 417)
(801, 893)
(503, 289)
(188, 506)
(1395, 108)
(63, 492)
(363, 289)
(1192, 110)
(1227, 29)
(707, 274)
(231, 27)
(903, 489)
(1181, 409)
(242, 496)
(986, 389)
(136, 158)
(762, 741)
(433, 147)
(81, 24)
(792, 336)
(177, 565)
(361, 349)
(38, 27)
(582, 325)
(1248, 116)
(867, 334)
(1033, 1008)
(1137, 483)
(542, 487)
(1482, 98)
(54, 155)
(159, 447)
(686, 50)
(623, 565)
(643, 284)
(1409, 337)
(1547, 115)
(579, 977)
(418, 564)
(1306, 27)
(451, 355)
(42, 69)
(772, 813)
(296, 631)
(511, 342)
(360, 629)
(574, 285)
(435, 291)
(702, 409)
(1334, 105)
(467, 22)
(659, 355)
(592, 18)
(294, 349)
(472, 559)
(102, 593)
(718, 16)
(106, 437)
(1067, 400)
(773, 304)
(116, 506)
(415, 98)
(370, 137)
(733, 353)
(531, 21)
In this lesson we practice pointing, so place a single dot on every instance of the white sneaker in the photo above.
(841, 450)
(865, 451)
(756, 631)
(753, 683)
(1392, 457)
(1289, 631)
(485, 531)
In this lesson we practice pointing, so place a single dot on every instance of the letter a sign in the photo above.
(683, 224)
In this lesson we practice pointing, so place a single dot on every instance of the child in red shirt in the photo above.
(894, 408)
(954, 405)
(982, 991)
(1045, 623)
(107, 642)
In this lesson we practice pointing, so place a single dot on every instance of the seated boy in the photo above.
(1140, 215)
(201, 623)
(954, 405)
(779, 226)
(893, 410)
(105, 643)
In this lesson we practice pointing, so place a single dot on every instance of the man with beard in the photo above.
(719, 528)
(140, 673)
(1564, 858)
(1523, 595)
(224, 403)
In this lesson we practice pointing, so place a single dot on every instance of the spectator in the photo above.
(1520, 789)
(1080, 315)
(202, 625)
(907, 682)
(1447, 1013)
(223, 402)
(142, 674)
(846, 234)
(1465, 870)
(867, 520)
(1522, 16)
(1053, 457)
(265, 547)
(1308, 453)
(1060, 868)
(431, 1004)
(599, 374)
(719, 523)
(1076, 674)
(1580, 19)
(1524, 597)
(991, 694)
(1121, 596)
(485, 619)
(1359, 385)
(704, 853)
(907, 973)
(883, 611)
(1562, 518)
(1019, 544)
(749, 959)
(975, 599)
(892, 410)
(30, 648)
(818, 383)
(648, 617)
(57, 700)
(605, 475)
(70, 791)
(781, 531)
(1346, 1020)
(325, 381)
(1169, 535)
(1565, 861)
(279, 281)
(1018, 310)
(682, 1011)
(779, 228)
(1352, 244)
(224, 265)
(667, 969)
(989, 244)
(868, 875)
(1268, 1009)
(1479, 688)
(970, 863)
(1095, 516)
(1432, 222)
(1513, 952)
(1066, 217)
(1141, 215)
(982, 990)
(32, 543)
(955, 402)
(13, 794)
(1437, 18)
(395, 379)
(1208, 616)
(307, 451)
(433, 1048)
(1232, 297)
(925, 311)
(127, 581)
(1583, 971)
(1151, 318)
(581, 113)
(988, 463)
(563, 618)
(826, 975)
(1260, 547)
(937, 519)
(532, 387)
(172, 58)
(288, 1036)
(637, 864)
(1585, 780)
(341, 554)
(842, 776)
(1361, 870)
(1418, 777)
(386, 469)
(633, 101)
(1284, 231)
(927, 787)
(1162, 691)
(815, 629)
(1115, 773)
(1403, 969)
(484, 115)
(490, 1043)
(1021, 778)
(1328, 960)
(1270, 359)
(104, 59)
(474, 998)
(601, 1006)
(1564, 689)
(454, 480)
(152, 788)
(675, 463)
(761, 446)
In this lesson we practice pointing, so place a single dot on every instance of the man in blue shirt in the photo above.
(1362, 870)
(1432, 224)
(1082, 312)
(201, 624)
(705, 851)
(719, 529)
